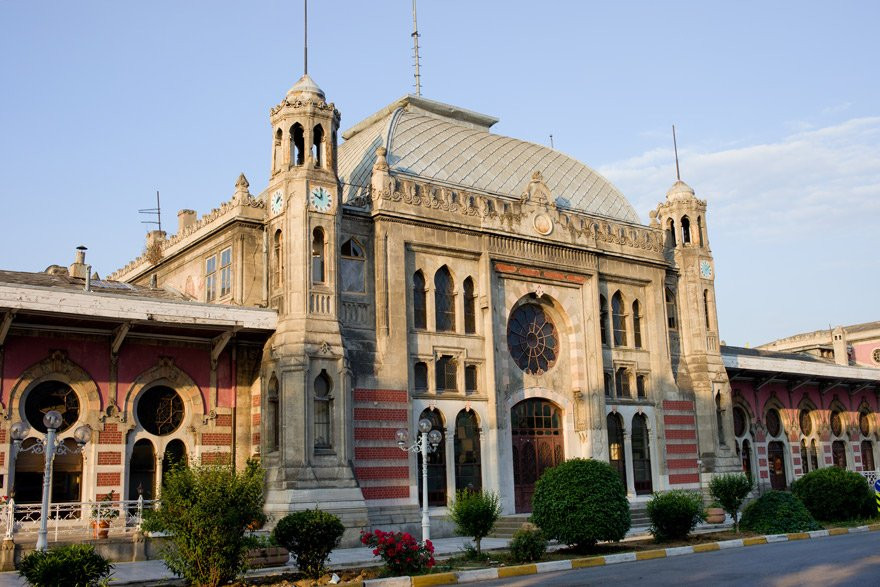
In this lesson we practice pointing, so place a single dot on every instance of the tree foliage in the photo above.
(731, 490)
(835, 494)
(674, 514)
(475, 514)
(778, 512)
(310, 535)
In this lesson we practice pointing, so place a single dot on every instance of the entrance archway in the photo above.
(536, 436)
(436, 462)
(776, 458)
(641, 456)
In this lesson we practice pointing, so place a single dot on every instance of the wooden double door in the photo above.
(536, 436)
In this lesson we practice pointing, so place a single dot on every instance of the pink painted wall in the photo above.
(863, 353)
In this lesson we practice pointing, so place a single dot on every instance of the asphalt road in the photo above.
(851, 559)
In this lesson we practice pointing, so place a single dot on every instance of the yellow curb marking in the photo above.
(516, 571)
(838, 531)
(437, 579)
(798, 536)
(706, 547)
(754, 541)
(649, 554)
(593, 561)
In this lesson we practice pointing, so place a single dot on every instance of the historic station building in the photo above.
(424, 267)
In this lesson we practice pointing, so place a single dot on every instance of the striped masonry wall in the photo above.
(680, 424)
(381, 468)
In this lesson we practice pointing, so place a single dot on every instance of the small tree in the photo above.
(475, 514)
(310, 535)
(731, 490)
(206, 510)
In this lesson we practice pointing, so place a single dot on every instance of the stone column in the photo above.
(628, 461)
(450, 462)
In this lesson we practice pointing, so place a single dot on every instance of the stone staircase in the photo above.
(507, 525)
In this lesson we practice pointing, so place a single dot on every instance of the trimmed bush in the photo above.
(475, 514)
(730, 491)
(778, 512)
(580, 502)
(206, 510)
(76, 565)
(309, 535)
(528, 545)
(835, 494)
(675, 513)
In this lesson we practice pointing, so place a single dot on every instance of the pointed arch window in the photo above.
(670, 233)
(318, 255)
(444, 300)
(277, 255)
(700, 230)
(685, 230)
(318, 145)
(622, 381)
(420, 377)
(719, 420)
(671, 321)
(323, 410)
(603, 319)
(468, 473)
(297, 144)
(351, 266)
(706, 308)
(276, 150)
(637, 324)
(420, 314)
(436, 462)
(470, 314)
(618, 319)
(273, 415)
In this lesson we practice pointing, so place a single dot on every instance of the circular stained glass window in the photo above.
(806, 423)
(774, 426)
(532, 339)
(739, 421)
(160, 410)
(836, 424)
(48, 396)
(876, 356)
(865, 423)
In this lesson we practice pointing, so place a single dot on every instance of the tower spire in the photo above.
(675, 146)
(306, 37)
(415, 37)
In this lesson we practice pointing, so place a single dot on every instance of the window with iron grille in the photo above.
(444, 300)
(446, 374)
(470, 379)
(226, 272)
(211, 278)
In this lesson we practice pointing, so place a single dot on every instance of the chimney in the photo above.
(155, 238)
(79, 268)
(185, 219)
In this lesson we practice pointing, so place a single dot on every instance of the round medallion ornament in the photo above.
(532, 339)
(543, 224)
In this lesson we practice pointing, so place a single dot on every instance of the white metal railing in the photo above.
(871, 476)
(82, 518)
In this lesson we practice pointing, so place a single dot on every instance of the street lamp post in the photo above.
(50, 447)
(427, 443)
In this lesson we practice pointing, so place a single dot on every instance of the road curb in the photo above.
(460, 577)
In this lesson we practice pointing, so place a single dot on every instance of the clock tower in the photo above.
(696, 354)
(307, 450)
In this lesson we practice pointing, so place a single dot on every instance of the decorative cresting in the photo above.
(59, 368)
(537, 191)
(532, 339)
(166, 373)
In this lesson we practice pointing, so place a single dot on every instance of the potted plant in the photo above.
(715, 513)
(103, 512)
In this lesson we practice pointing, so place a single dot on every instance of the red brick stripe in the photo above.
(382, 472)
(109, 458)
(680, 406)
(380, 395)
(681, 434)
(383, 453)
(684, 478)
(108, 479)
(675, 420)
(681, 464)
(361, 433)
(380, 414)
(681, 449)
(216, 439)
(394, 492)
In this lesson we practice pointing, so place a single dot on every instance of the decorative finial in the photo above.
(675, 146)
(242, 182)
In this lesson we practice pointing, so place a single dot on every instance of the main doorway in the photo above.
(536, 436)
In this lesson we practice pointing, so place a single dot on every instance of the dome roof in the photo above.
(305, 85)
(450, 146)
(679, 191)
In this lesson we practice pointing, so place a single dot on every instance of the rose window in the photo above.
(532, 339)
(160, 411)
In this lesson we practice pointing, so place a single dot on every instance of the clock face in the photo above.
(705, 269)
(321, 199)
(277, 201)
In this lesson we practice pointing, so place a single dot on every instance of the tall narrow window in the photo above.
(640, 387)
(297, 144)
(211, 278)
(805, 460)
(444, 300)
(706, 306)
(318, 255)
(351, 266)
(276, 151)
(622, 381)
(467, 452)
(322, 401)
(436, 462)
(318, 145)
(470, 379)
(637, 324)
(420, 314)
(700, 230)
(670, 233)
(603, 319)
(618, 319)
(609, 384)
(671, 321)
(420, 377)
(273, 415)
(446, 374)
(277, 257)
(226, 272)
(470, 315)
(719, 420)
(685, 230)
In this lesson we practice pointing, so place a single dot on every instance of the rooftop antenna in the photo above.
(675, 145)
(551, 141)
(306, 37)
(415, 37)
(157, 211)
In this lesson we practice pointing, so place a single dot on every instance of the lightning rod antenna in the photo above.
(415, 37)
(305, 37)
(675, 146)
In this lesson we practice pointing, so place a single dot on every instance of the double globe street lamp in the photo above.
(426, 444)
(50, 447)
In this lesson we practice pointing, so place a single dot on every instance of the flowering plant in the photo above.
(4, 500)
(402, 554)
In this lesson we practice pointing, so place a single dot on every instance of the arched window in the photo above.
(603, 319)
(618, 319)
(719, 420)
(420, 314)
(468, 474)
(318, 255)
(444, 300)
(622, 380)
(175, 455)
(277, 255)
(747, 458)
(814, 454)
(609, 384)
(273, 415)
(616, 451)
(838, 453)
(805, 457)
(142, 470)
(706, 307)
(351, 266)
(297, 144)
(637, 324)
(470, 314)
(51, 395)
(867, 455)
(67, 473)
(671, 321)
(447, 375)
(420, 377)
(670, 232)
(322, 401)
(641, 456)
(276, 151)
(160, 410)
(318, 145)
(685, 230)
(436, 463)
(700, 230)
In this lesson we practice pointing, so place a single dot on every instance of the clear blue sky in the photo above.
(776, 104)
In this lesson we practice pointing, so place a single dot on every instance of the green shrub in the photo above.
(730, 491)
(778, 512)
(675, 513)
(475, 514)
(580, 502)
(309, 535)
(75, 565)
(206, 510)
(834, 494)
(528, 545)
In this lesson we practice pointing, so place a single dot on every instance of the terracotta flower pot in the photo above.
(102, 528)
(715, 515)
